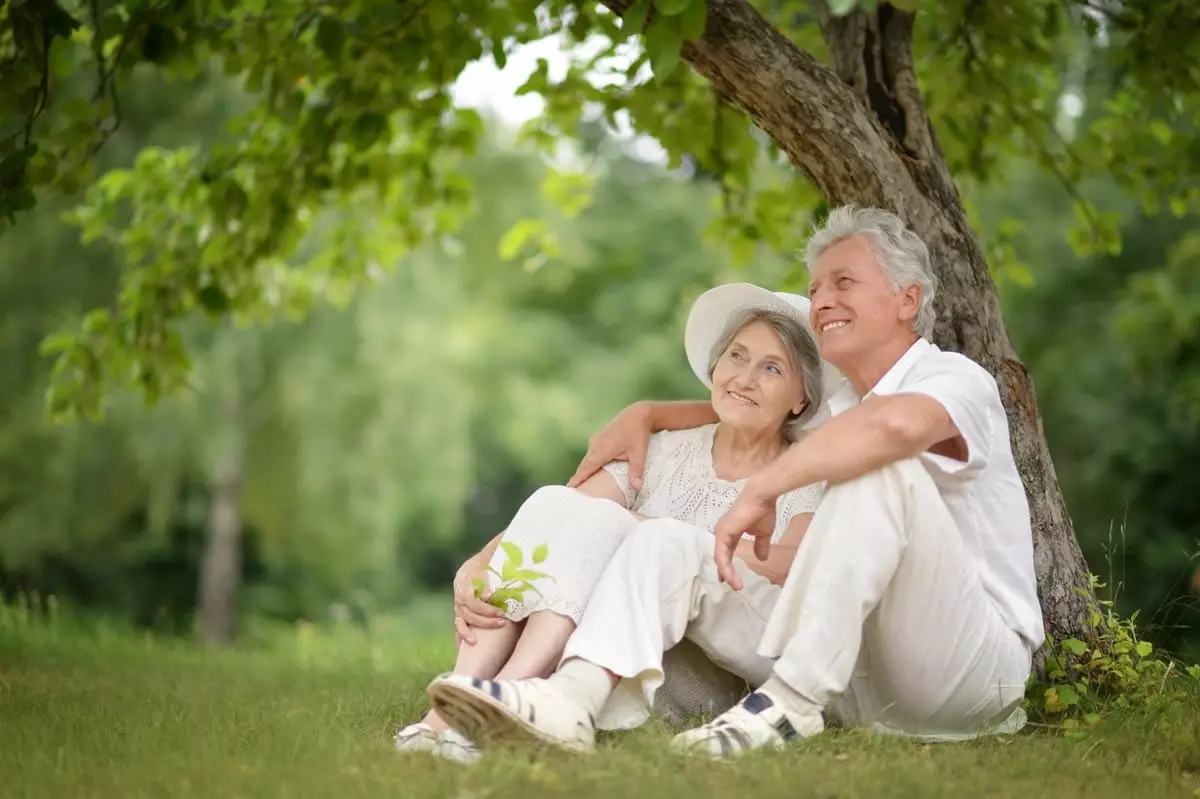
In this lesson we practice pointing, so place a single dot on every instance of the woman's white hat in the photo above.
(713, 310)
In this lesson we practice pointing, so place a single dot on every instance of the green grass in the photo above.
(93, 711)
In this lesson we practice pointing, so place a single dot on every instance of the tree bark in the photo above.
(221, 567)
(861, 134)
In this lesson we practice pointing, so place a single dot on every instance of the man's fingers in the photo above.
(637, 465)
(590, 464)
(723, 555)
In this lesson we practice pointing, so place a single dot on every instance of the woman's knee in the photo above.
(673, 540)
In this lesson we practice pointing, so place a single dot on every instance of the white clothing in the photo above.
(582, 533)
(679, 482)
(984, 494)
(884, 618)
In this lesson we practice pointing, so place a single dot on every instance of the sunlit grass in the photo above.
(95, 709)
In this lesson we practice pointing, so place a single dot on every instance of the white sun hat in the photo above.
(713, 310)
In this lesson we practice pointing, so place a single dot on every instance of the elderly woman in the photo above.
(755, 352)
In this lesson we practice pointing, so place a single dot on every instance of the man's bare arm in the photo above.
(681, 415)
(878, 431)
(627, 436)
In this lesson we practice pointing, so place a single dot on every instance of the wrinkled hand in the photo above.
(752, 512)
(468, 610)
(625, 438)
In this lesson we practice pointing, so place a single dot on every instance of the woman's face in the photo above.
(755, 385)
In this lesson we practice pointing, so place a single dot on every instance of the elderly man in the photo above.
(911, 605)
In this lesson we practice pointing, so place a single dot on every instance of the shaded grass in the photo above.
(88, 713)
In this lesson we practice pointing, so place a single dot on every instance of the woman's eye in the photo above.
(737, 356)
(773, 369)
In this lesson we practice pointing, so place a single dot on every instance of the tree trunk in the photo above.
(221, 567)
(861, 134)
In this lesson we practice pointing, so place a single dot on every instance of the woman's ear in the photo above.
(799, 409)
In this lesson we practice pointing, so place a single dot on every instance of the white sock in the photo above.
(788, 698)
(583, 682)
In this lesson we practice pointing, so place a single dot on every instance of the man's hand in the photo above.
(468, 610)
(752, 512)
(625, 438)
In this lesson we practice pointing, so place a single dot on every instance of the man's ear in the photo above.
(910, 302)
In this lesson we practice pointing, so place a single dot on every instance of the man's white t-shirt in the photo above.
(984, 493)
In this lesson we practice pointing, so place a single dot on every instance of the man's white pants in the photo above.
(883, 619)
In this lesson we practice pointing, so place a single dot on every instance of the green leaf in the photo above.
(508, 572)
(912, 5)
(513, 553)
(22, 200)
(77, 109)
(842, 7)
(518, 236)
(694, 20)
(528, 575)
(480, 585)
(501, 597)
(159, 44)
(15, 161)
(1067, 695)
(670, 8)
(633, 21)
(1074, 646)
(498, 54)
(441, 16)
(540, 553)
(664, 41)
(213, 299)
(330, 37)
(1144, 648)
(367, 129)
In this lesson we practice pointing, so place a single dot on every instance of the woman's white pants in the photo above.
(882, 621)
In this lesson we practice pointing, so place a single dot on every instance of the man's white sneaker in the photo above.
(757, 722)
(520, 711)
(419, 737)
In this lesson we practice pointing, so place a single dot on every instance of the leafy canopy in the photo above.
(350, 106)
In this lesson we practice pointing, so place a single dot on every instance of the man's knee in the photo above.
(895, 478)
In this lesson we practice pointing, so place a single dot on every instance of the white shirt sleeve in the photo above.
(970, 397)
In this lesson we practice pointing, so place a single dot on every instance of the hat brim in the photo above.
(713, 310)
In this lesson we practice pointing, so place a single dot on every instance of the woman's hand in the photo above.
(625, 438)
(470, 611)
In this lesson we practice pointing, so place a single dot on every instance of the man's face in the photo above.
(854, 310)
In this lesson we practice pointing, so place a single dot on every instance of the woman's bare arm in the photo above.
(779, 562)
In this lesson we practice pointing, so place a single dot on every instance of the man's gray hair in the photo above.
(801, 349)
(900, 252)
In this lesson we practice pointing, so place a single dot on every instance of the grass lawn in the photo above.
(98, 713)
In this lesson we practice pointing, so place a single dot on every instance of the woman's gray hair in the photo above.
(900, 252)
(801, 350)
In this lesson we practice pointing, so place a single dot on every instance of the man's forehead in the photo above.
(826, 270)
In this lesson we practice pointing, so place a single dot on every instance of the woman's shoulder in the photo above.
(668, 442)
(799, 500)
